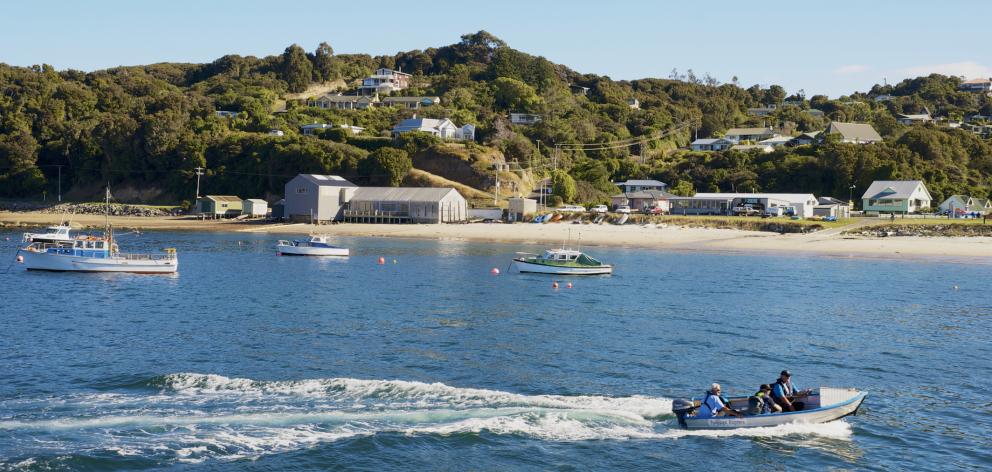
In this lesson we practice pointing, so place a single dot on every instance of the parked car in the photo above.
(746, 210)
(599, 209)
(623, 209)
(571, 208)
(655, 211)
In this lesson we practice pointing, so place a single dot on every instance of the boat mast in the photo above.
(107, 232)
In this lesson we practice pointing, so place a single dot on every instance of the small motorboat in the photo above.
(561, 262)
(822, 405)
(317, 245)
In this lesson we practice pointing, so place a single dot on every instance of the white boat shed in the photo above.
(406, 205)
(254, 207)
(802, 203)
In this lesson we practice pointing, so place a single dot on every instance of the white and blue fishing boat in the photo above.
(317, 245)
(821, 406)
(60, 233)
(95, 254)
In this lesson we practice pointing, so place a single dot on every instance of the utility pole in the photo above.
(496, 195)
(60, 183)
(199, 172)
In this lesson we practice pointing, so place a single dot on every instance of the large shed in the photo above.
(314, 197)
(254, 207)
(406, 205)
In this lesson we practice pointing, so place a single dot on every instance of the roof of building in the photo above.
(893, 189)
(789, 197)
(705, 141)
(748, 131)
(854, 131)
(420, 124)
(751, 147)
(327, 180)
(831, 201)
(978, 202)
(434, 100)
(401, 194)
(643, 182)
(257, 201)
(223, 198)
(921, 116)
(977, 81)
(315, 126)
(347, 98)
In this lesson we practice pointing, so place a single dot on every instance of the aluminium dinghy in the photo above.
(822, 405)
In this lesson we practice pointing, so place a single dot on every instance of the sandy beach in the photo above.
(826, 243)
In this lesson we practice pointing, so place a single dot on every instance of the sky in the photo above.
(834, 48)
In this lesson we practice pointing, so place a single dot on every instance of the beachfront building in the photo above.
(896, 196)
(799, 204)
(854, 133)
(412, 103)
(520, 208)
(317, 198)
(443, 128)
(642, 184)
(643, 200)
(219, 206)
(830, 206)
(739, 135)
(384, 81)
(960, 204)
(697, 205)
(406, 205)
(255, 207)
(710, 144)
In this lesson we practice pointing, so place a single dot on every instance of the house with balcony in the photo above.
(896, 196)
(638, 185)
(710, 144)
(343, 102)
(739, 135)
(384, 81)
(412, 103)
(915, 119)
(983, 85)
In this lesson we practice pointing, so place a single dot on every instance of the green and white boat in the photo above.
(561, 262)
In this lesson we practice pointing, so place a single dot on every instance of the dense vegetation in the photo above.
(149, 127)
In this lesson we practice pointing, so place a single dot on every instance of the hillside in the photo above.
(149, 127)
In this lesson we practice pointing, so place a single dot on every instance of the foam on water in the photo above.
(199, 416)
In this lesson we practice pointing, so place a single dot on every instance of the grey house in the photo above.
(313, 197)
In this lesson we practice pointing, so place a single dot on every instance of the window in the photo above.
(302, 190)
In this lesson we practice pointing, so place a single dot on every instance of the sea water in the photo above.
(249, 360)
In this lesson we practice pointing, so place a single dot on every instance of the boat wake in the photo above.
(188, 417)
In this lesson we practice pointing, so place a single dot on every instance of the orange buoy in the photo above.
(554, 285)
(568, 285)
(494, 271)
(382, 260)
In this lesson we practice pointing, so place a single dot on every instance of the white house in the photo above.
(354, 130)
(384, 81)
(804, 139)
(634, 103)
(276, 132)
(710, 144)
(919, 118)
(640, 185)
(801, 203)
(976, 85)
(776, 141)
(524, 118)
(965, 203)
(443, 128)
(736, 135)
(314, 127)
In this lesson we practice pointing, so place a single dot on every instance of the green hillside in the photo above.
(149, 127)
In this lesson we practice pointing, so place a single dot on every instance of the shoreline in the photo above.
(827, 243)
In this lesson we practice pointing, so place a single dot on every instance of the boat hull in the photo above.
(846, 405)
(66, 263)
(312, 251)
(530, 267)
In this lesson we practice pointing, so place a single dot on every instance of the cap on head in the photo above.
(765, 387)
(786, 373)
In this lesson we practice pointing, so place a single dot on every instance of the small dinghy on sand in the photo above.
(822, 405)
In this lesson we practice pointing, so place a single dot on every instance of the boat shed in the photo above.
(314, 197)
(406, 205)
(219, 206)
(255, 207)
(520, 208)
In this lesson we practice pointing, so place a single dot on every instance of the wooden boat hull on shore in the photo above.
(837, 403)
(65, 263)
(529, 267)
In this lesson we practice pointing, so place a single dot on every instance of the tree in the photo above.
(684, 188)
(514, 95)
(296, 68)
(388, 165)
(323, 63)
(563, 185)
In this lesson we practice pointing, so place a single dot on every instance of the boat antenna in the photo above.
(108, 232)
(579, 242)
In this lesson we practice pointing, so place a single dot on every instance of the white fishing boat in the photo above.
(95, 254)
(821, 406)
(317, 245)
(60, 233)
(561, 262)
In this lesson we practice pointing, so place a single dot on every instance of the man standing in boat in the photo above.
(786, 393)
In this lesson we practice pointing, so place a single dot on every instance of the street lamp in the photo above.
(850, 196)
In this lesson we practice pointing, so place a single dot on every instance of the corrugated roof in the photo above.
(411, 99)
(401, 194)
(789, 197)
(643, 182)
(327, 180)
(256, 201)
(747, 131)
(854, 131)
(223, 198)
(893, 189)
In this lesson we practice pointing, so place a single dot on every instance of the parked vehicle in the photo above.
(746, 210)
(599, 209)
(571, 208)
(623, 209)
(774, 211)
(655, 211)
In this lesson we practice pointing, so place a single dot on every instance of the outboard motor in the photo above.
(681, 408)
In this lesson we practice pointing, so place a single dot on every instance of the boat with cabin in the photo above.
(822, 405)
(561, 262)
(95, 254)
(60, 233)
(317, 245)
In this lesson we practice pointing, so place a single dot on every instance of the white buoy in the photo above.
(568, 285)
(20, 259)
(494, 271)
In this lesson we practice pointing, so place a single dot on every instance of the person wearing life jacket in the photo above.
(714, 405)
(785, 393)
(761, 402)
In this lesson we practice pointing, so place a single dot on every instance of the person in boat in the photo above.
(715, 405)
(785, 393)
(761, 402)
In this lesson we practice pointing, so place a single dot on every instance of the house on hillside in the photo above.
(896, 196)
(384, 81)
(761, 111)
(917, 119)
(634, 103)
(313, 128)
(710, 144)
(406, 205)
(856, 133)
(884, 98)
(443, 128)
(983, 85)
(775, 142)
(226, 114)
(317, 198)
(219, 206)
(738, 135)
(524, 118)
(343, 102)
(412, 103)
(638, 185)
(764, 148)
(804, 139)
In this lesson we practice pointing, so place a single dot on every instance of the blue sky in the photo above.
(832, 47)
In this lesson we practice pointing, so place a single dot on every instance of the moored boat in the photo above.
(561, 262)
(317, 245)
(822, 405)
(60, 233)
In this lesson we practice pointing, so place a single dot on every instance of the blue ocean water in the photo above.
(247, 360)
